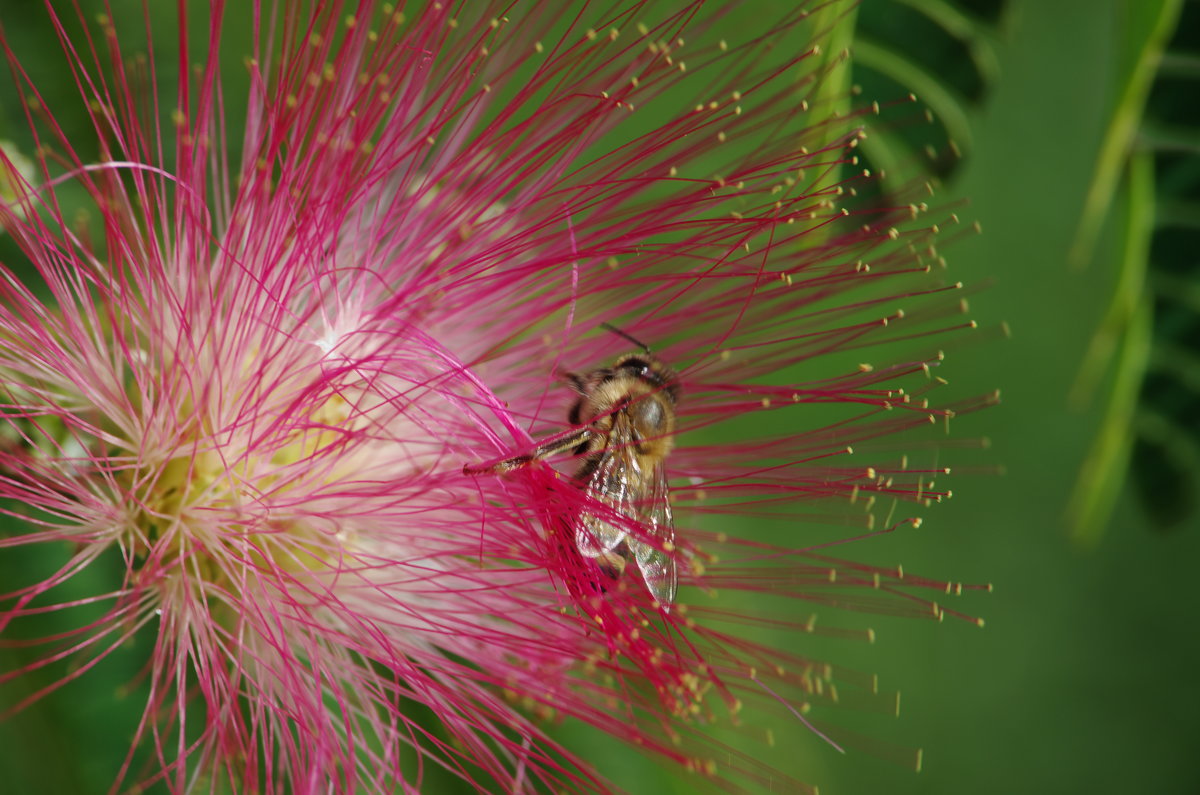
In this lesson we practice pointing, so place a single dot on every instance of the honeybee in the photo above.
(623, 430)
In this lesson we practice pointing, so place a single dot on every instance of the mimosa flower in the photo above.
(275, 377)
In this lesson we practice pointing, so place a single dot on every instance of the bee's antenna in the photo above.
(630, 337)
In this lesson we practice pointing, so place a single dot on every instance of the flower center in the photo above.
(240, 505)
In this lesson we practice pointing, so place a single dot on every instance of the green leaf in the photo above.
(1148, 28)
(975, 36)
(1127, 333)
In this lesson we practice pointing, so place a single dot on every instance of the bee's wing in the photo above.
(611, 490)
(656, 554)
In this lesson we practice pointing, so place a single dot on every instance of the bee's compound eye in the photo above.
(634, 365)
(649, 416)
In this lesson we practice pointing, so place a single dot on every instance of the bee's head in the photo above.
(636, 379)
(644, 367)
(641, 367)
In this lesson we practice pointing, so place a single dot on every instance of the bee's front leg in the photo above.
(545, 449)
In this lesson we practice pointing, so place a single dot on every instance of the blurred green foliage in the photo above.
(1083, 679)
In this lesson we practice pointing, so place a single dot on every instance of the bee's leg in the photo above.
(499, 468)
(547, 448)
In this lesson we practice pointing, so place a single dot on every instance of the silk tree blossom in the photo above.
(271, 375)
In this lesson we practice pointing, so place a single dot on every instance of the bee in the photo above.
(623, 426)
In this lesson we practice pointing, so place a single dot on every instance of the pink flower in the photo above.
(258, 377)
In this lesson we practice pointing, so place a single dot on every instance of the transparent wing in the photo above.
(655, 555)
(611, 492)
(629, 503)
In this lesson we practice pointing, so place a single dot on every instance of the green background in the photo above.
(1084, 679)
